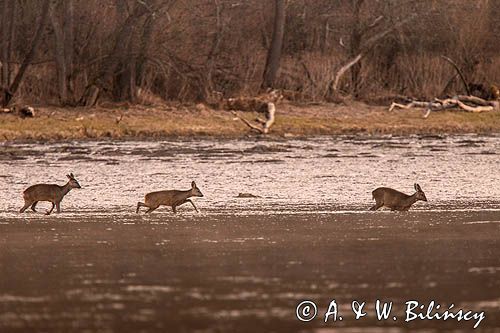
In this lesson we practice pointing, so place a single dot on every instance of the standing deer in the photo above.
(48, 192)
(396, 200)
(172, 198)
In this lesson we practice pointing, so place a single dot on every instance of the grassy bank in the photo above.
(197, 120)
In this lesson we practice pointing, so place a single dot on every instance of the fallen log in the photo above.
(475, 100)
(478, 108)
(413, 104)
(461, 102)
(23, 112)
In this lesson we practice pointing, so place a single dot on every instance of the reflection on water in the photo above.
(227, 273)
(292, 175)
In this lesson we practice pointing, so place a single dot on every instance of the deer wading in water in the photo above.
(172, 198)
(396, 200)
(48, 192)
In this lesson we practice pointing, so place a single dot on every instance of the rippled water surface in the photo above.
(293, 175)
(244, 264)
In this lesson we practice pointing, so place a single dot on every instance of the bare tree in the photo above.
(192, 50)
(31, 54)
(4, 81)
(69, 47)
(363, 49)
(117, 57)
(145, 42)
(216, 42)
(274, 52)
(60, 52)
(62, 21)
(357, 33)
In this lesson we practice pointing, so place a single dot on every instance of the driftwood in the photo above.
(461, 102)
(23, 112)
(264, 103)
(475, 100)
(247, 195)
(263, 126)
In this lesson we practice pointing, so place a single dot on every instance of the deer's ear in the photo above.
(193, 184)
(72, 175)
(69, 177)
(417, 187)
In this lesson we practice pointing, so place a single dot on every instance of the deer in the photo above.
(48, 192)
(172, 198)
(396, 200)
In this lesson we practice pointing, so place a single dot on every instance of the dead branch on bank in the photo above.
(264, 103)
(23, 112)
(460, 102)
(263, 126)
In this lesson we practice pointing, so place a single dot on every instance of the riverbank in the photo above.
(292, 120)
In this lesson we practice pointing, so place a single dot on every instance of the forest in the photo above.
(75, 52)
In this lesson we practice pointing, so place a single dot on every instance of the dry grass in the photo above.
(292, 120)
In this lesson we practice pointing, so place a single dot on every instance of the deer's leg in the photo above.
(50, 211)
(58, 207)
(26, 205)
(192, 203)
(151, 209)
(174, 209)
(33, 206)
(183, 202)
(139, 205)
(377, 206)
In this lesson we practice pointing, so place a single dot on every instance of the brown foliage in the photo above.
(189, 50)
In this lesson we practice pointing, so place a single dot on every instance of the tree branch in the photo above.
(462, 77)
(367, 46)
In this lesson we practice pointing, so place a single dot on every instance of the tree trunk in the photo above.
(60, 52)
(125, 81)
(274, 52)
(214, 49)
(146, 37)
(325, 37)
(12, 36)
(31, 54)
(4, 40)
(118, 54)
(69, 36)
(132, 84)
(355, 47)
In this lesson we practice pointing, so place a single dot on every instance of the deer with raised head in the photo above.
(172, 198)
(396, 200)
(48, 192)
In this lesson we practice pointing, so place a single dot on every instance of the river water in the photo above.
(325, 174)
(244, 264)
